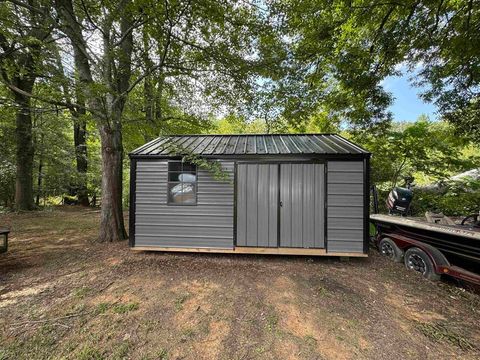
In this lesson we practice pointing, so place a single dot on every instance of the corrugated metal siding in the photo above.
(207, 224)
(302, 213)
(255, 144)
(257, 205)
(345, 202)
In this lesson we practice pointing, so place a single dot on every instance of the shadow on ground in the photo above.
(63, 295)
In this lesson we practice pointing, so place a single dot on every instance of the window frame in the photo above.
(170, 182)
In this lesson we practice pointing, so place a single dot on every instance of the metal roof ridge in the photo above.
(252, 144)
(249, 134)
(361, 149)
(144, 146)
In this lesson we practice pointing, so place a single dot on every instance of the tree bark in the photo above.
(39, 181)
(147, 82)
(107, 112)
(112, 226)
(80, 142)
(24, 66)
(78, 112)
(40, 175)
(24, 151)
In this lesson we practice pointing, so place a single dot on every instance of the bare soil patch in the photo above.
(64, 296)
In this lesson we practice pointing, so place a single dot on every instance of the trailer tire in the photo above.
(388, 248)
(418, 260)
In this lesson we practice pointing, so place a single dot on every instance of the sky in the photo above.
(407, 105)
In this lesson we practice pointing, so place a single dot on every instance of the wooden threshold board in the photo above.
(252, 250)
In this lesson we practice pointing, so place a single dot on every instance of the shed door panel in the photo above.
(257, 205)
(302, 205)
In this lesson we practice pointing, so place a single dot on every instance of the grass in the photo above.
(161, 354)
(260, 350)
(80, 293)
(41, 345)
(439, 332)
(272, 321)
(121, 352)
(322, 291)
(175, 310)
(89, 353)
(180, 300)
(103, 308)
(188, 332)
(124, 308)
(3, 354)
(310, 340)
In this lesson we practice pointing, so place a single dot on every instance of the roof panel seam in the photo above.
(324, 143)
(284, 144)
(358, 148)
(275, 145)
(336, 144)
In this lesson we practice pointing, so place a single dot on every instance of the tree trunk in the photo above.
(40, 176)
(79, 132)
(111, 223)
(25, 151)
(107, 113)
(147, 82)
(80, 141)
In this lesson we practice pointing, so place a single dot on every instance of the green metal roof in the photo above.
(249, 144)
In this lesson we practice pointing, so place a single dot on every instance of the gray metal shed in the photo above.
(302, 194)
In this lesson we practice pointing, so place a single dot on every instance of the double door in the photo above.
(280, 205)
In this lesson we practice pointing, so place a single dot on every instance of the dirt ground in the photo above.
(64, 296)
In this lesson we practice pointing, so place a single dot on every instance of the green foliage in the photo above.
(430, 152)
(213, 166)
(421, 149)
(211, 64)
(7, 153)
(282, 66)
(456, 199)
(339, 53)
(7, 182)
(232, 124)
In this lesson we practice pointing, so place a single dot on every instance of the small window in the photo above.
(182, 183)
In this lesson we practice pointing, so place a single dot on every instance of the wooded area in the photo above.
(84, 82)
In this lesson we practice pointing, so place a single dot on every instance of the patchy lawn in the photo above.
(64, 296)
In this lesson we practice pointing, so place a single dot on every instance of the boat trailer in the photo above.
(432, 248)
(426, 248)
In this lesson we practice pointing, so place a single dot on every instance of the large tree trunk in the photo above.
(111, 223)
(147, 82)
(80, 141)
(25, 151)
(78, 113)
(40, 175)
(107, 113)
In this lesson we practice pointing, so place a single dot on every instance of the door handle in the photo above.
(281, 203)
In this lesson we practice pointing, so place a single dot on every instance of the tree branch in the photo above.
(28, 7)
(153, 68)
(68, 105)
(87, 14)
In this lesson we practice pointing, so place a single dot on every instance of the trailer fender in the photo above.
(439, 260)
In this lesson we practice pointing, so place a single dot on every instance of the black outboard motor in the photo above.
(399, 199)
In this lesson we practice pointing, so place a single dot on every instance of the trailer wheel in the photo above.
(388, 248)
(417, 260)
